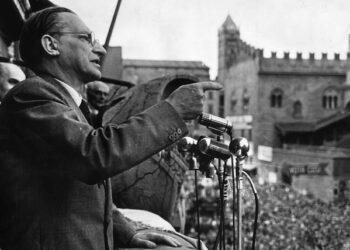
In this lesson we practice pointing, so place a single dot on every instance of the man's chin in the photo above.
(94, 77)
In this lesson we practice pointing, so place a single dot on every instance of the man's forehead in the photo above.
(103, 89)
(11, 71)
(97, 85)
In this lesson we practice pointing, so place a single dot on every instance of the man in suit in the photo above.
(97, 94)
(97, 97)
(54, 166)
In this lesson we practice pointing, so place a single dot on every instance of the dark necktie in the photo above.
(84, 107)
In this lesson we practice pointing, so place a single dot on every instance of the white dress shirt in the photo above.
(74, 94)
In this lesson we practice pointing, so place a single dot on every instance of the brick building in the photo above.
(284, 106)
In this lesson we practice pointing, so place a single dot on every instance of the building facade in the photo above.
(283, 104)
(139, 71)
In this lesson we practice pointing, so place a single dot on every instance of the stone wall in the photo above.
(306, 89)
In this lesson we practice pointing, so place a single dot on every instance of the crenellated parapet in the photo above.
(247, 50)
(303, 64)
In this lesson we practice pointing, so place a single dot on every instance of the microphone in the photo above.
(190, 145)
(215, 123)
(187, 144)
(239, 146)
(214, 148)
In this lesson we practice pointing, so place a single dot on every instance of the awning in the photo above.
(310, 126)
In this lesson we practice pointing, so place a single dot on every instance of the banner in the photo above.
(307, 169)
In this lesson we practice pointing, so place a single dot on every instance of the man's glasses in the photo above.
(89, 37)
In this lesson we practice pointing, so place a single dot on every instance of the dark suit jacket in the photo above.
(54, 167)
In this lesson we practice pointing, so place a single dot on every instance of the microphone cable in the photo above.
(256, 207)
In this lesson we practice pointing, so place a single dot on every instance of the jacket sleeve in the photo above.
(123, 230)
(49, 126)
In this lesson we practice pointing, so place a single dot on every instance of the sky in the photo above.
(188, 29)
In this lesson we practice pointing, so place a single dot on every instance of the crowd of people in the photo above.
(287, 220)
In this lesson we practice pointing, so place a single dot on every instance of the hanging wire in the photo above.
(256, 207)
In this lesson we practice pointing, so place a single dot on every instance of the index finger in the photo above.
(209, 85)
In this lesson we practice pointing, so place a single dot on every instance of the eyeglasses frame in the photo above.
(90, 35)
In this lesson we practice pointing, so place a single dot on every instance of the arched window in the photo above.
(276, 98)
(233, 101)
(330, 99)
(297, 109)
(245, 100)
(210, 108)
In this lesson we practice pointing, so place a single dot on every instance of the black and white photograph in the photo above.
(174, 125)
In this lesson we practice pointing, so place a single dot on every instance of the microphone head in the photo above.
(203, 144)
(187, 144)
(239, 146)
(214, 148)
(217, 124)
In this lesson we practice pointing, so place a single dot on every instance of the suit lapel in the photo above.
(66, 95)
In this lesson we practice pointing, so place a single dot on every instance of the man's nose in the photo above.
(99, 49)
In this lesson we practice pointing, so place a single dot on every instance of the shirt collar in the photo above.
(77, 98)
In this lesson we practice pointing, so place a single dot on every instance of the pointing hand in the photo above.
(188, 99)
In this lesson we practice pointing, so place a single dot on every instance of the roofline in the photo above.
(301, 73)
(314, 126)
(159, 64)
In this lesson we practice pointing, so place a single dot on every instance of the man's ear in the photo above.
(50, 45)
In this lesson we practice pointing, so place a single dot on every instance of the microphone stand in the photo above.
(222, 206)
(234, 193)
(239, 176)
(195, 166)
(221, 210)
(239, 147)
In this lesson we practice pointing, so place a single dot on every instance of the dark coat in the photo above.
(54, 167)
